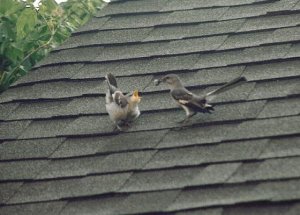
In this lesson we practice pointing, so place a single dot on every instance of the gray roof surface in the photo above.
(58, 151)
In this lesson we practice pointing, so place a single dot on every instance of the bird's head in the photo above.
(172, 80)
(135, 97)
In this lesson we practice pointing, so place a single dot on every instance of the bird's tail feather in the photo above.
(209, 107)
(231, 84)
(112, 82)
(202, 106)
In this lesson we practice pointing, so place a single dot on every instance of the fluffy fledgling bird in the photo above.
(122, 109)
(190, 102)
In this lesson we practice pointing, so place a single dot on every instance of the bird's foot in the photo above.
(122, 127)
(127, 124)
(184, 122)
(117, 129)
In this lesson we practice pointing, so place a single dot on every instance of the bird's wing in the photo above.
(120, 99)
(187, 98)
(182, 96)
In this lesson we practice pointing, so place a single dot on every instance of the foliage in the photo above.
(27, 34)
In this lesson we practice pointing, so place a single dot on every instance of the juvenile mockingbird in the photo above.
(122, 109)
(190, 102)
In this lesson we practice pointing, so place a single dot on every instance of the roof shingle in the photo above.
(59, 153)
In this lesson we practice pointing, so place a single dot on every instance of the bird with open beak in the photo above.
(122, 109)
(190, 102)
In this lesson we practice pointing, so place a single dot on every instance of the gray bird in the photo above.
(122, 109)
(190, 102)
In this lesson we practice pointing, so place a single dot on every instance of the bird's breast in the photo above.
(116, 112)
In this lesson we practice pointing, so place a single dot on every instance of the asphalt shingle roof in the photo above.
(58, 151)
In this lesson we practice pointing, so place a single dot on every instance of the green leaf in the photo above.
(47, 7)
(7, 30)
(21, 72)
(27, 64)
(3, 46)
(8, 7)
(6, 79)
(26, 23)
(3, 80)
(28, 46)
(28, 35)
(14, 53)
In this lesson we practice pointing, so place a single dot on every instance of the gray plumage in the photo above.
(191, 102)
(122, 109)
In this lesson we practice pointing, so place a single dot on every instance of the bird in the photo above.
(122, 109)
(190, 102)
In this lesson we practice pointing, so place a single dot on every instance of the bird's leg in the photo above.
(125, 123)
(117, 128)
(187, 118)
(183, 120)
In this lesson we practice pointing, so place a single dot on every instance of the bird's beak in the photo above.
(157, 81)
(136, 94)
